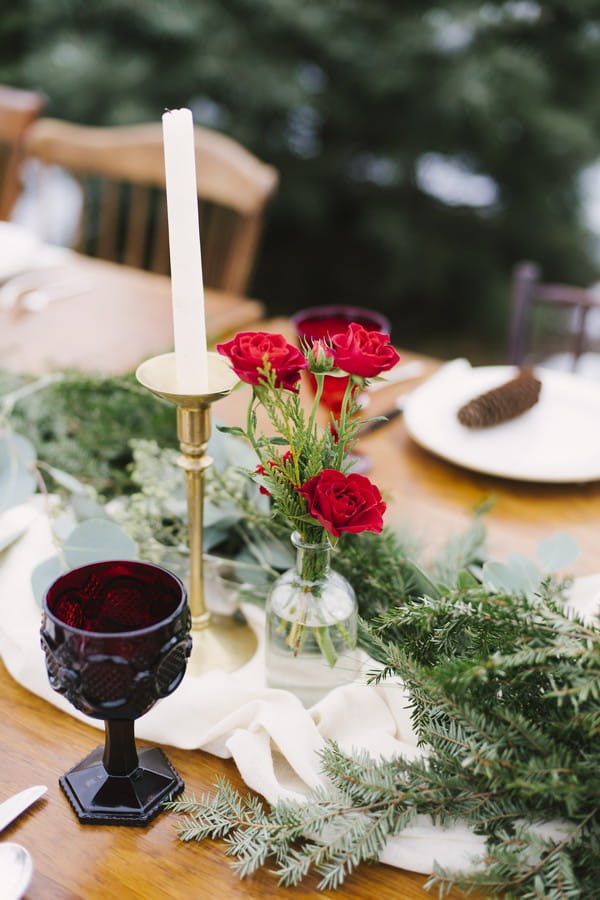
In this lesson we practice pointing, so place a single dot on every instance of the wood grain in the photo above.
(38, 743)
(122, 316)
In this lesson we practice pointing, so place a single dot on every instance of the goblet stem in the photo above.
(120, 754)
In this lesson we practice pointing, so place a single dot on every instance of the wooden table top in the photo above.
(38, 743)
(117, 317)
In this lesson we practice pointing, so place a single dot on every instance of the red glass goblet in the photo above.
(322, 323)
(116, 639)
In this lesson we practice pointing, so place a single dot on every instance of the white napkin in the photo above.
(272, 738)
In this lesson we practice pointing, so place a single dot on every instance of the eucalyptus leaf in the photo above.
(213, 535)
(519, 575)
(176, 505)
(96, 540)
(63, 523)
(86, 508)
(225, 515)
(465, 580)
(69, 482)
(530, 574)
(43, 575)
(279, 554)
(231, 429)
(226, 450)
(17, 461)
(497, 576)
(252, 573)
(421, 584)
(557, 551)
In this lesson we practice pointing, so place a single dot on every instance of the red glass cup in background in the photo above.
(116, 636)
(321, 323)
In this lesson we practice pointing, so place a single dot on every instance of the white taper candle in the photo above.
(187, 289)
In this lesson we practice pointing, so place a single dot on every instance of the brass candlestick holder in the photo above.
(219, 642)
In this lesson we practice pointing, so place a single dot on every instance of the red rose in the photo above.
(344, 502)
(358, 351)
(248, 352)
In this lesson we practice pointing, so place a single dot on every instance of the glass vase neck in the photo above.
(300, 544)
(312, 561)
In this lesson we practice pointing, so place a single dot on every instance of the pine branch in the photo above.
(505, 700)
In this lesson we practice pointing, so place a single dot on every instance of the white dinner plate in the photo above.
(557, 440)
(19, 248)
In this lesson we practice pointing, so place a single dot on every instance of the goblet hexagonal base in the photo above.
(98, 798)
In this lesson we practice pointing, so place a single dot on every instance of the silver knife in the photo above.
(14, 806)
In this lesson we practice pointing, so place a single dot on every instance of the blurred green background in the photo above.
(423, 148)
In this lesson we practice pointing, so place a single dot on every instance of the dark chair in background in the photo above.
(538, 309)
(121, 171)
(18, 109)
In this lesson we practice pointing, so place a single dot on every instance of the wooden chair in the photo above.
(18, 109)
(534, 304)
(121, 170)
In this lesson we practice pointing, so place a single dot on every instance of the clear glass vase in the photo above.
(311, 621)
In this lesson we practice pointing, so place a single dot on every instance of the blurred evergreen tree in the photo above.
(363, 107)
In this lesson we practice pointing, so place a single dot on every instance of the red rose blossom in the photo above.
(344, 502)
(358, 351)
(249, 350)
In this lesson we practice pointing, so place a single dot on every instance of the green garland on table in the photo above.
(504, 684)
(83, 424)
(505, 695)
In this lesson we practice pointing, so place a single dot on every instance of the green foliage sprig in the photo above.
(505, 697)
(83, 424)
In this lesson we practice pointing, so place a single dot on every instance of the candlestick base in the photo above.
(226, 643)
(219, 642)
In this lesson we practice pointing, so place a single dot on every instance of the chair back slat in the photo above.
(139, 223)
(530, 294)
(232, 183)
(159, 246)
(107, 236)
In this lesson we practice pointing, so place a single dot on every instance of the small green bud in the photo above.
(320, 358)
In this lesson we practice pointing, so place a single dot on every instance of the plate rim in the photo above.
(493, 470)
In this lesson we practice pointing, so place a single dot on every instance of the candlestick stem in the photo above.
(193, 431)
(219, 642)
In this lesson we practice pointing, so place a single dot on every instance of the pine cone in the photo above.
(502, 403)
